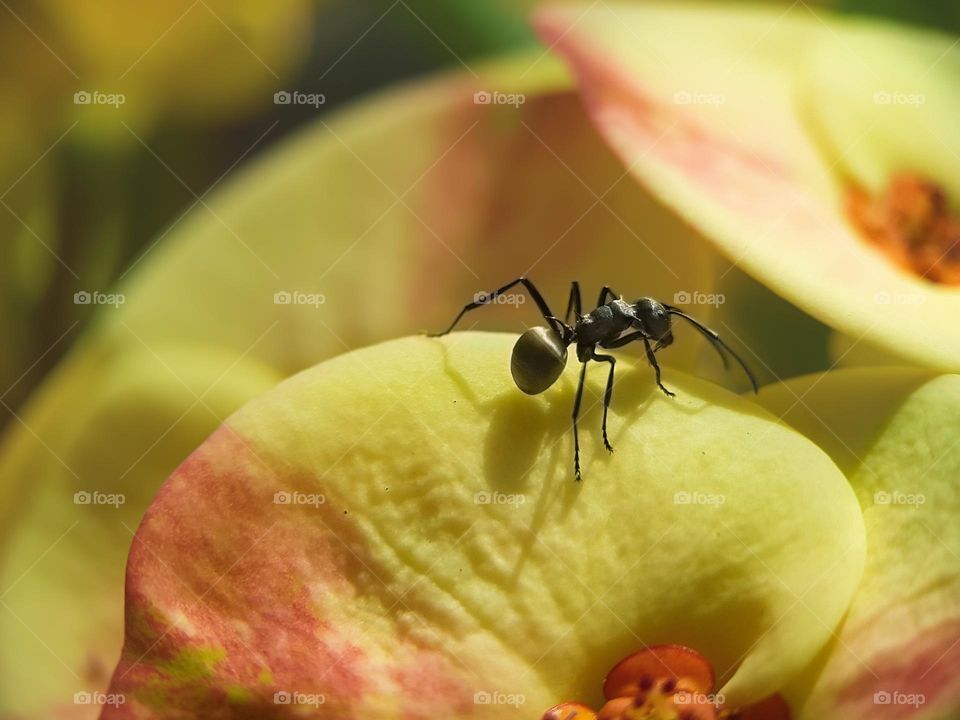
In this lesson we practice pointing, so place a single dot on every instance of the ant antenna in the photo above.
(718, 344)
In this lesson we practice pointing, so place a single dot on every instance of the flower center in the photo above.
(665, 682)
(911, 223)
(662, 699)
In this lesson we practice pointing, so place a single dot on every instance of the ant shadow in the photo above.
(526, 424)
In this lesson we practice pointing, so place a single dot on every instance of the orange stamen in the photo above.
(666, 682)
(911, 223)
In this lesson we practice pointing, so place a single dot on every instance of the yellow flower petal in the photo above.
(74, 493)
(420, 198)
(398, 531)
(894, 433)
(710, 109)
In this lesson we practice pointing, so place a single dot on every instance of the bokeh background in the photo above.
(88, 191)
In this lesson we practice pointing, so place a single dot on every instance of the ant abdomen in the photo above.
(539, 357)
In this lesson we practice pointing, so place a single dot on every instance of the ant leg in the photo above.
(604, 294)
(625, 340)
(488, 298)
(652, 359)
(576, 411)
(574, 302)
(607, 395)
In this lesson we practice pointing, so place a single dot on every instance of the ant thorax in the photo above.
(605, 323)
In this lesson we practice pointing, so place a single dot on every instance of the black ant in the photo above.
(540, 353)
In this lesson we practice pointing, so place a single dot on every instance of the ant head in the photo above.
(538, 360)
(655, 319)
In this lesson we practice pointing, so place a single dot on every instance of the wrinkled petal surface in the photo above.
(398, 531)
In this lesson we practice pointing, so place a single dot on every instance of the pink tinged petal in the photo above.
(200, 584)
(406, 593)
(906, 680)
(893, 432)
(493, 190)
(747, 171)
(105, 426)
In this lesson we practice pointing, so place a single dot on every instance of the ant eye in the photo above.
(539, 357)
